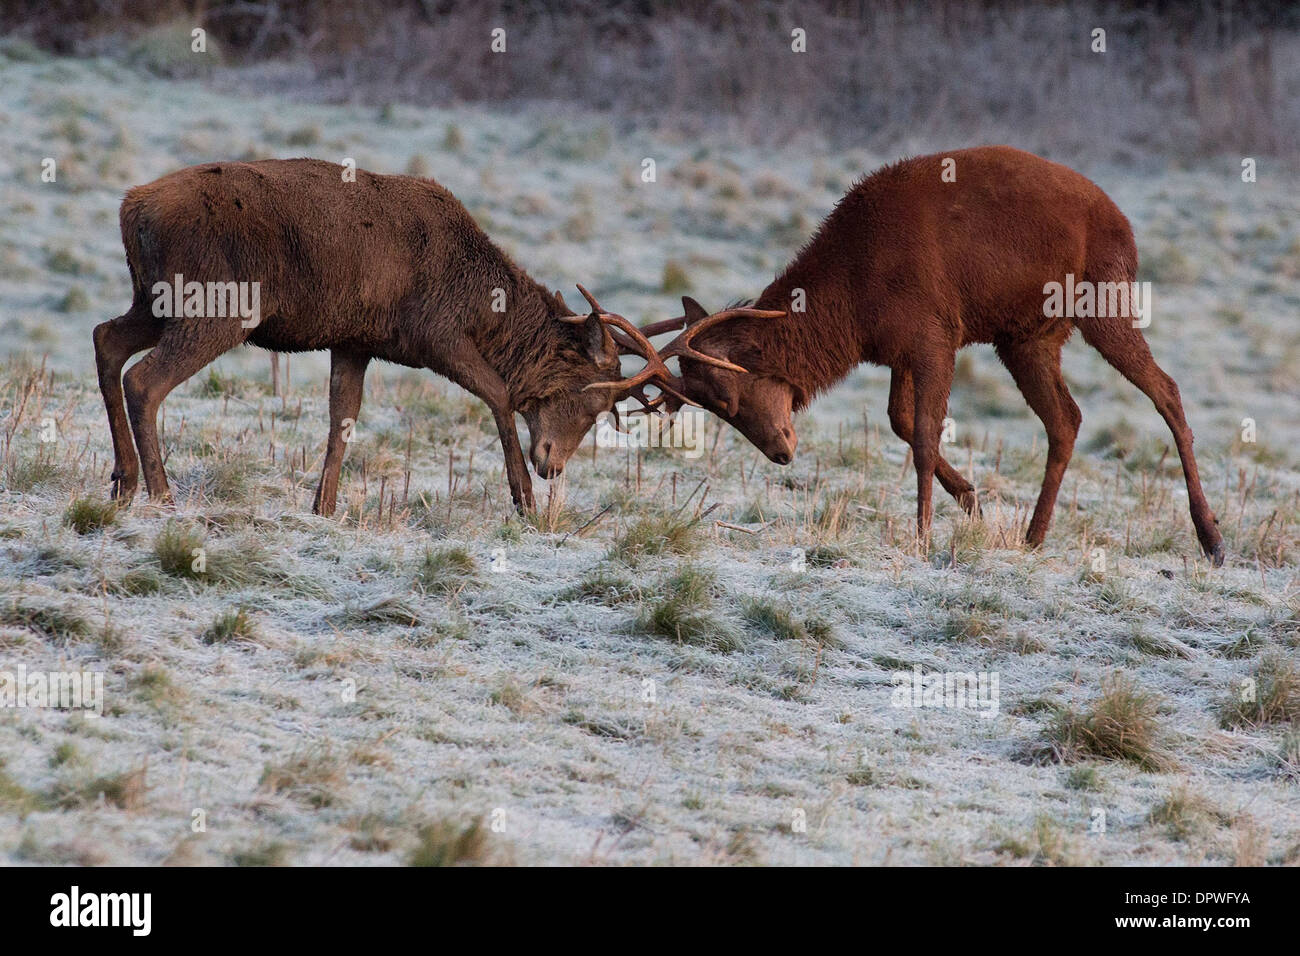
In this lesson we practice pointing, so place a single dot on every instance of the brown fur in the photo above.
(908, 269)
(386, 267)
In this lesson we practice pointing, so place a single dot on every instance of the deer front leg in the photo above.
(931, 382)
(901, 415)
(468, 369)
(521, 485)
(347, 378)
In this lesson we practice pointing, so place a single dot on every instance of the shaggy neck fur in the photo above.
(535, 354)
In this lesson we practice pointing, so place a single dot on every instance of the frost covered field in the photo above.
(678, 659)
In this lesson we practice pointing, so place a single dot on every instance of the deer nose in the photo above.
(542, 461)
(784, 454)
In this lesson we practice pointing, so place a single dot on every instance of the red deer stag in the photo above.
(383, 267)
(906, 270)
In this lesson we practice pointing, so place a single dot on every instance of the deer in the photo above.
(920, 259)
(389, 268)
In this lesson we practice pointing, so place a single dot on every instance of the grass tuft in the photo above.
(313, 778)
(686, 613)
(1186, 813)
(448, 843)
(126, 791)
(448, 570)
(652, 537)
(49, 620)
(1270, 696)
(1121, 723)
(601, 587)
(178, 549)
(777, 619)
(85, 515)
(234, 626)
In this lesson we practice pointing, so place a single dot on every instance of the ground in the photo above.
(681, 658)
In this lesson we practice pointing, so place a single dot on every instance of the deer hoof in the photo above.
(123, 489)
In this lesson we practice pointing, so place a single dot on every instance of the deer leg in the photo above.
(347, 377)
(468, 369)
(900, 419)
(1126, 349)
(931, 382)
(1036, 367)
(115, 342)
(181, 351)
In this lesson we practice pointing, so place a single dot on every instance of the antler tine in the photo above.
(667, 325)
(648, 405)
(655, 367)
(595, 306)
(631, 341)
(625, 344)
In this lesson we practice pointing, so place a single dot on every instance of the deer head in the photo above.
(568, 407)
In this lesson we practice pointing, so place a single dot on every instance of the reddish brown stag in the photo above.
(379, 267)
(920, 259)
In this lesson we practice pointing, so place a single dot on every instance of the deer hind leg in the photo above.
(1126, 349)
(931, 383)
(901, 414)
(347, 377)
(1036, 367)
(186, 345)
(115, 342)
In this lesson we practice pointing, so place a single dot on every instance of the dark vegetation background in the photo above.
(1221, 76)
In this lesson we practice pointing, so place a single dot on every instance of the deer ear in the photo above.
(600, 344)
(693, 310)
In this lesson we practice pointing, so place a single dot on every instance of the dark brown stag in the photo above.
(911, 267)
(383, 267)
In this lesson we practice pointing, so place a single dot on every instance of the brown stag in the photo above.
(911, 266)
(382, 267)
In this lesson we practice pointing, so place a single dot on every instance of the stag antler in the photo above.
(636, 341)
(681, 346)
(665, 381)
(631, 341)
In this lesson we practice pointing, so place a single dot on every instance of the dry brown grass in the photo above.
(1120, 723)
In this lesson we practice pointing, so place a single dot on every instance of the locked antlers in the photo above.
(636, 341)
(630, 341)
(681, 346)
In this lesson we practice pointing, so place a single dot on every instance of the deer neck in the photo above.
(815, 345)
(526, 342)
